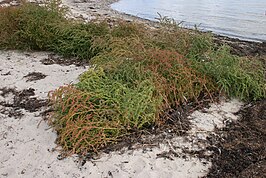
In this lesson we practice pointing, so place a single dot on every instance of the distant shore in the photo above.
(97, 9)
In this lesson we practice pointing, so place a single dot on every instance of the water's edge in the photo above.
(232, 34)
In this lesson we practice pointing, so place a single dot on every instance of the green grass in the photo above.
(137, 72)
(77, 123)
(238, 77)
(100, 109)
(134, 105)
(32, 27)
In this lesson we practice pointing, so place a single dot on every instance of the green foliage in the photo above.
(167, 22)
(8, 26)
(126, 29)
(134, 105)
(174, 78)
(191, 44)
(79, 40)
(34, 27)
(176, 81)
(238, 77)
(77, 121)
(100, 110)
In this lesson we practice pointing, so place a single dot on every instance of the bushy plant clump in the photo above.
(30, 26)
(79, 131)
(34, 27)
(137, 73)
(100, 109)
(238, 77)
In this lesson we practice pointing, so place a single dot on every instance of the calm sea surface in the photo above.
(245, 19)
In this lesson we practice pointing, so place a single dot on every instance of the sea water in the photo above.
(244, 19)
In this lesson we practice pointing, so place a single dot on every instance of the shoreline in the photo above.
(191, 27)
(101, 10)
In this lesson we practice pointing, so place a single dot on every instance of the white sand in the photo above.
(26, 148)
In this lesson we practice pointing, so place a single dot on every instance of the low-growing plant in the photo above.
(176, 81)
(126, 29)
(100, 110)
(8, 26)
(136, 103)
(77, 122)
(190, 43)
(83, 41)
(237, 77)
(34, 27)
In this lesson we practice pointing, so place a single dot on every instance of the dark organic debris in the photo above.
(178, 119)
(257, 169)
(241, 47)
(8, 73)
(54, 59)
(5, 91)
(177, 124)
(21, 100)
(242, 151)
(197, 153)
(33, 76)
(11, 112)
(167, 155)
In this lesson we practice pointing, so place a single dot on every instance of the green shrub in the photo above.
(136, 105)
(100, 110)
(238, 77)
(126, 29)
(189, 43)
(176, 81)
(9, 26)
(172, 74)
(77, 123)
(34, 27)
(79, 40)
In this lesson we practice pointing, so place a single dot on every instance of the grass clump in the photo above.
(237, 77)
(135, 104)
(30, 26)
(99, 110)
(79, 40)
(125, 29)
(34, 27)
(189, 43)
(77, 121)
(176, 81)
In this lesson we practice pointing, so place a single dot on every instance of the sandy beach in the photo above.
(27, 142)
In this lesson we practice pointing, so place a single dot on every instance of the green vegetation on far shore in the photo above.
(137, 74)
